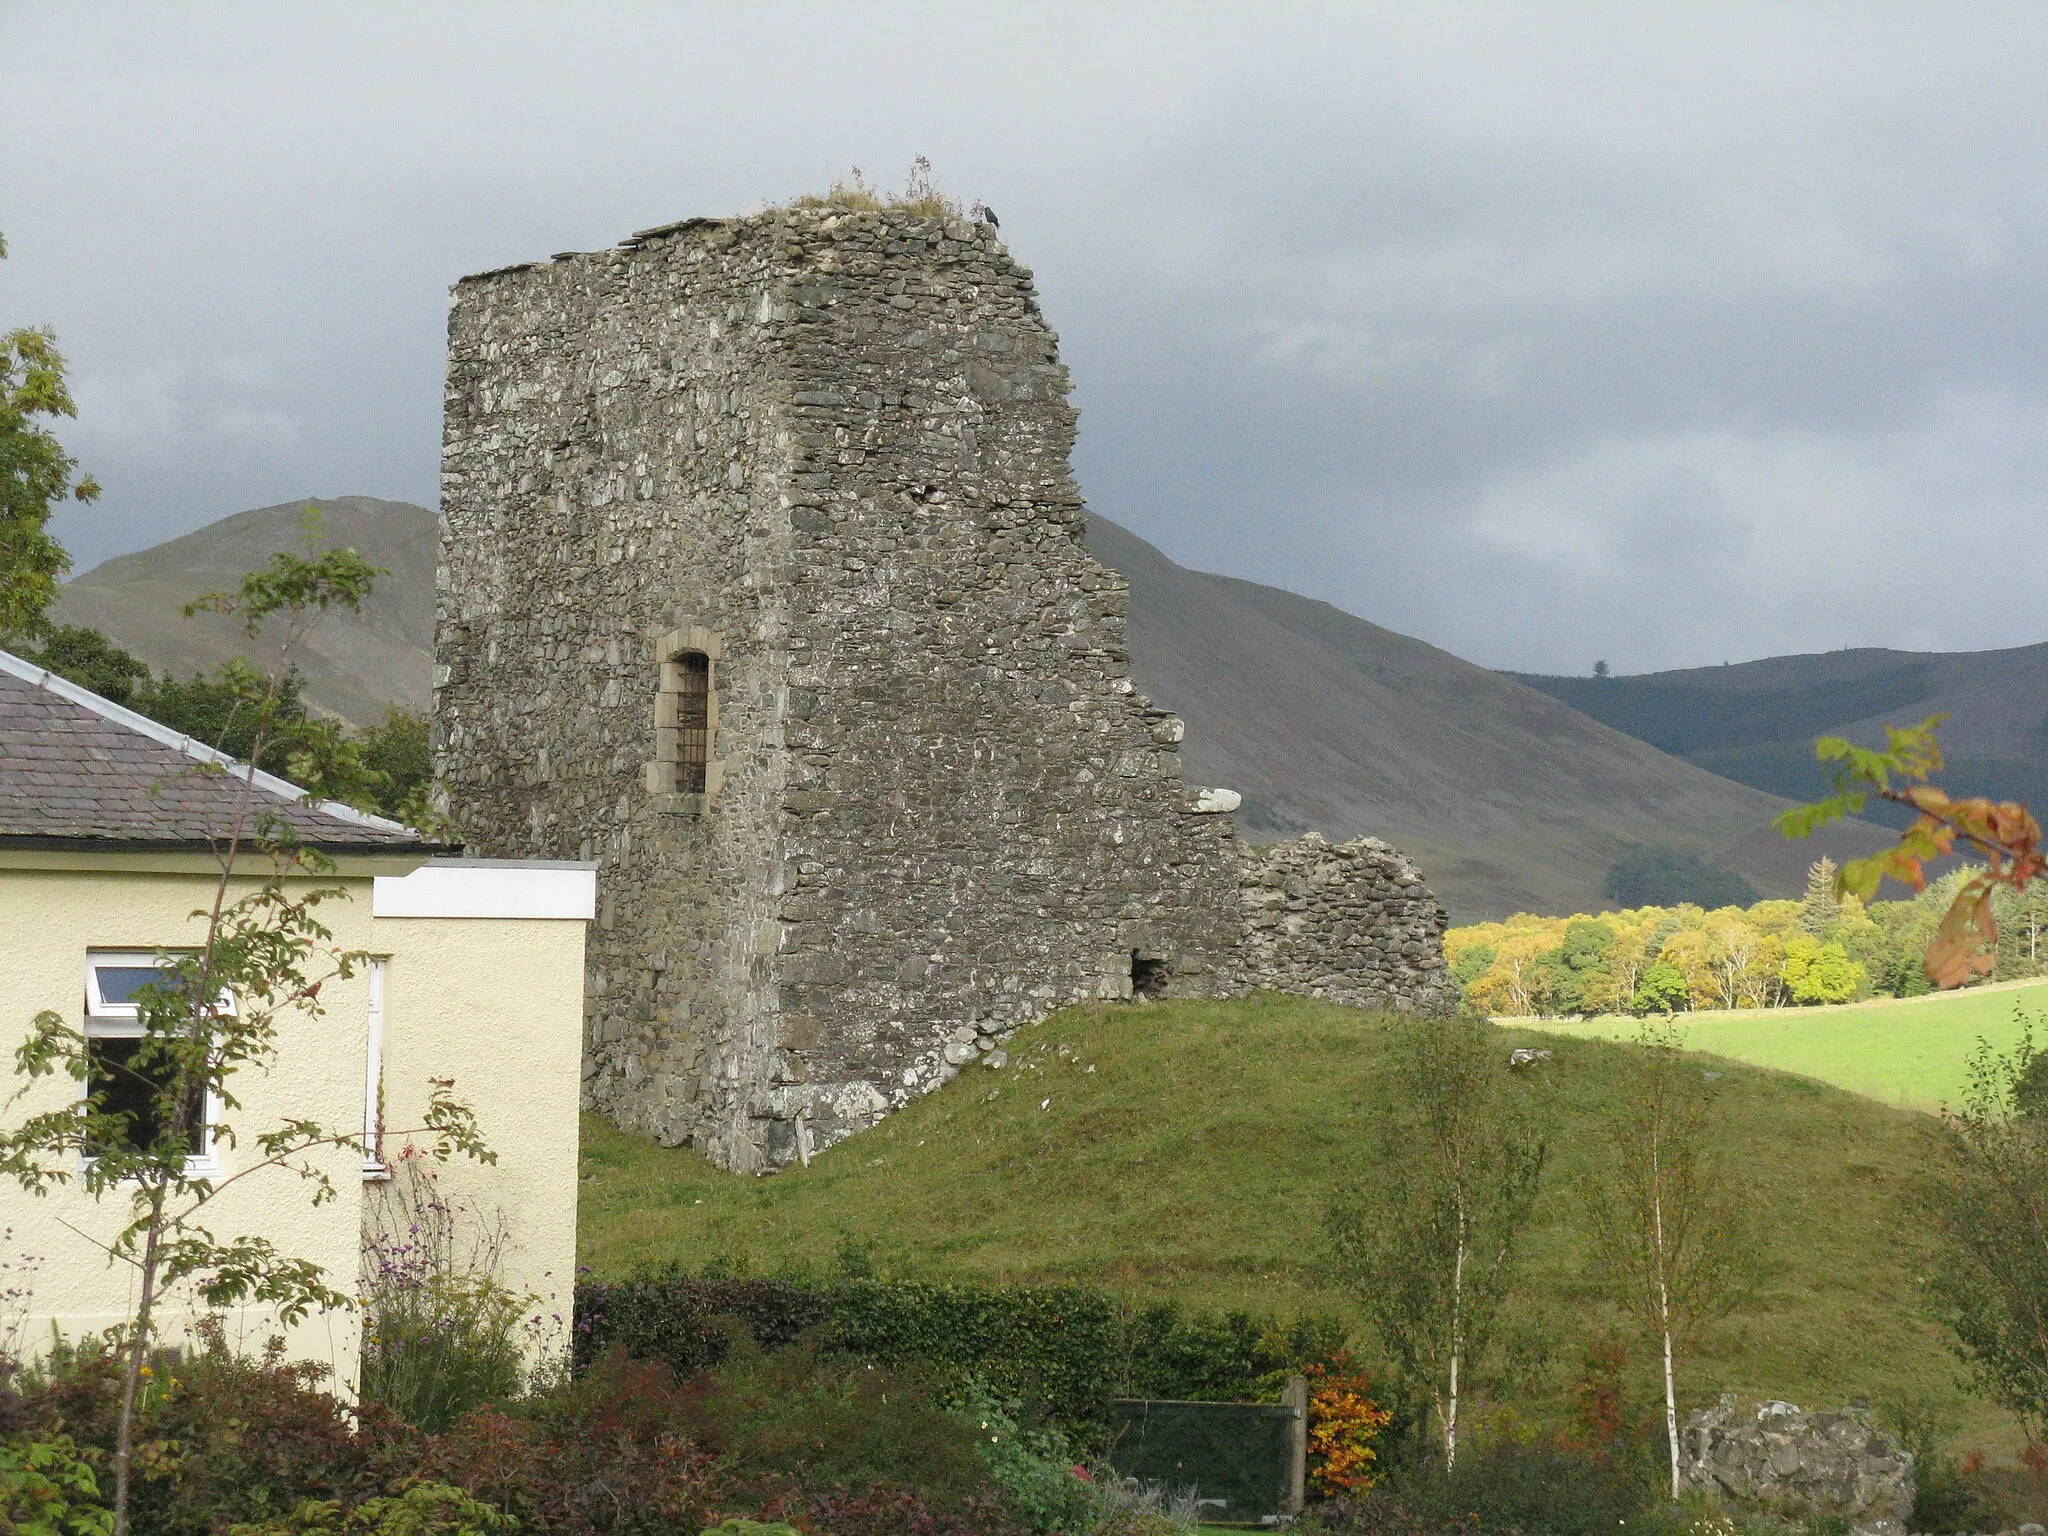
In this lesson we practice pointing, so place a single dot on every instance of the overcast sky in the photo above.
(1661, 335)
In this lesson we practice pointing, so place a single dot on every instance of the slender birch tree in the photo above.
(1665, 1239)
(1431, 1243)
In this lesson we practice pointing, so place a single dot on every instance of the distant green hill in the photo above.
(1185, 1150)
(1756, 722)
(355, 666)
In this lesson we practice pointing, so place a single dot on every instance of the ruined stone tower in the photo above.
(763, 585)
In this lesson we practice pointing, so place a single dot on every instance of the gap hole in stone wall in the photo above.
(1148, 977)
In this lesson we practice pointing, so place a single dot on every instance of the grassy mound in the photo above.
(1186, 1150)
(1906, 1051)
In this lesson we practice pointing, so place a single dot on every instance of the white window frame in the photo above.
(123, 1021)
(374, 1166)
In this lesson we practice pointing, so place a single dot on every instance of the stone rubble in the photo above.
(1777, 1460)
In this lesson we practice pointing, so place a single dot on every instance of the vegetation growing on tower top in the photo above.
(920, 195)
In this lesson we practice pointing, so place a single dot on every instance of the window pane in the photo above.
(119, 983)
(131, 1090)
(693, 720)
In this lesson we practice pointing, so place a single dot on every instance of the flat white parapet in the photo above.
(542, 888)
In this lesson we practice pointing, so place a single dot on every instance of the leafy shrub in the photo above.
(1343, 1423)
(1946, 1498)
(1168, 1351)
(1124, 1506)
(602, 1454)
(824, 1421)
(687, 1320)
(445, 1347)
(425, 1509)
(222, 1439)
(1036, 1467)
(1051, 1347)
(1511, 1484)
(1379, 1513)
(48, 1489)
(1062, 1351)
(889, 1512)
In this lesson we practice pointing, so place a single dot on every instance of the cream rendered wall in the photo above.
(497, 1005)
(49, 920)
(493, 1002)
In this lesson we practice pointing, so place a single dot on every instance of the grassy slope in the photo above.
(1904, 1051)
(1193, 1162)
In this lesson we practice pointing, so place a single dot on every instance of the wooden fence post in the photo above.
(1295, 1396)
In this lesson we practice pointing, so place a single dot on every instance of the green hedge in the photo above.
(1063, 1350)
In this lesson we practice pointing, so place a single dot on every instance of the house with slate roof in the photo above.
(112, 829)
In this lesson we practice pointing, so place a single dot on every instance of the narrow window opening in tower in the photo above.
(693, 720)
(1148, 977)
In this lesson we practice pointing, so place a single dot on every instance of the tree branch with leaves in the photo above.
(2003, 833)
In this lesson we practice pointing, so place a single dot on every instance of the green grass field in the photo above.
(1187, 1149)
(1908, 1052)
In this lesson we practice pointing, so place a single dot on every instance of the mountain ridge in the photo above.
(1756, 721)
(1508, 798)
(355, 665)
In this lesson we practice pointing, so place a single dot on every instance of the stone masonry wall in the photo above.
(1353, 923)
(838, 445)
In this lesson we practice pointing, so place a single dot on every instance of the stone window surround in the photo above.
(662, 784)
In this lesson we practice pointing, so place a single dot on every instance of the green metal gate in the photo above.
(1240, 1457)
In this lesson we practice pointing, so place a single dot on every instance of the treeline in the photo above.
(384, 768)
(1771, 954)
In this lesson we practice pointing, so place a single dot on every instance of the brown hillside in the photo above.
(355, 666)
(1508, 799)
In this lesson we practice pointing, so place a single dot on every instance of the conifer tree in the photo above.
(1822, 908)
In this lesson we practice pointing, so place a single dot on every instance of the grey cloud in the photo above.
(1664, 334)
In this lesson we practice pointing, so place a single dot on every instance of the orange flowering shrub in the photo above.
(1343, 1422)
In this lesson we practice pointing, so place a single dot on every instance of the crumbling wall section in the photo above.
(1350, 922)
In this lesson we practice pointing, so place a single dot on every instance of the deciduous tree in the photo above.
(36, 475)
(1665, 1236)
(1986, 1270)
(1431, 1242)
